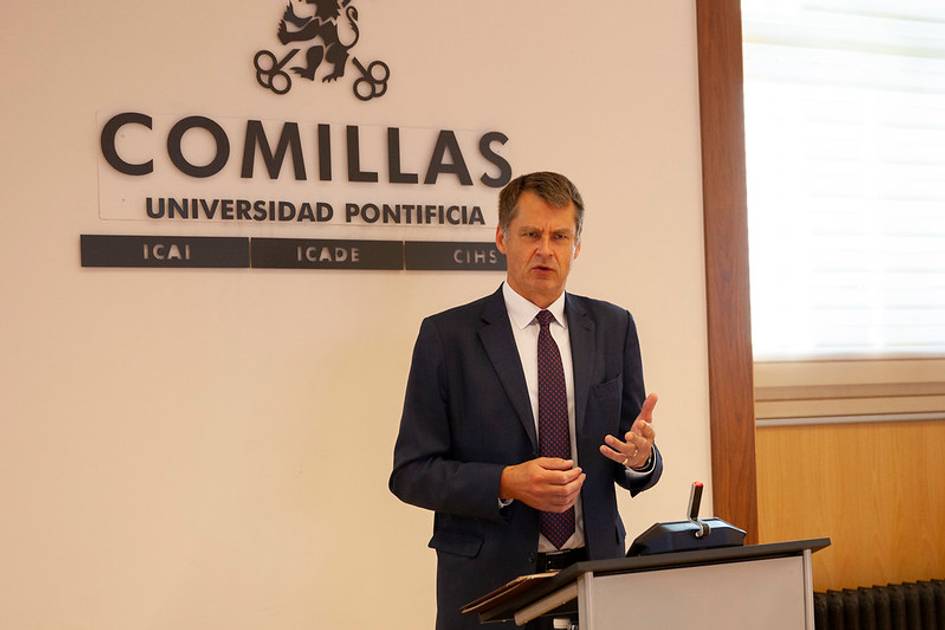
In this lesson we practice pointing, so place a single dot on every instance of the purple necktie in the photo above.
(554, 435)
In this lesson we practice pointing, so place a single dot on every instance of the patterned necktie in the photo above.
(554, 435)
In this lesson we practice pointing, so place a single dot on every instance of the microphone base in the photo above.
(682, 536)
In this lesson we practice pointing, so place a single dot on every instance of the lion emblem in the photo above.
(327, 35)
(332, 37)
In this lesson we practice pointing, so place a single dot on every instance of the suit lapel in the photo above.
(496, 336)
(581, 329)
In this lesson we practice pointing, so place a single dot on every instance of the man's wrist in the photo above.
(645, 468)
(505, 492)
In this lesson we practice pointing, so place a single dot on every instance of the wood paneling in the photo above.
(877, 490)
(732, 420)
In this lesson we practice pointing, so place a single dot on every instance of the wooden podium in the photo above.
(756, 586)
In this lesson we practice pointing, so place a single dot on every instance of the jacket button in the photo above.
(531, 558)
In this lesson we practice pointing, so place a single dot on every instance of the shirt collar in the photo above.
(522, 312)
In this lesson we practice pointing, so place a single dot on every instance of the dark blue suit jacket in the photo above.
(467, 415)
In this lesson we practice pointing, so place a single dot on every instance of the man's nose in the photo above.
(544, 245)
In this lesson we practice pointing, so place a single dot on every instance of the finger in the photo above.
(574, 486)
(561, 495)
(555, 463)
(641, 427)
(644, 429)
(626, 450)
(640, 449)
(623, 447)
(559, 508)
(646, 411)
(565, 500)
(635, 451)
(633, 445)
(611, 454)
(562, 478)
(566, 493)
(641, 458)
(560, 505)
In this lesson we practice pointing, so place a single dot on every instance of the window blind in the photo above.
(845, 146)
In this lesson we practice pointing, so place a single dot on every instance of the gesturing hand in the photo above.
(635, 451)
(548, 484)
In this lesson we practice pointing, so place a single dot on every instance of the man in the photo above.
(523, 410)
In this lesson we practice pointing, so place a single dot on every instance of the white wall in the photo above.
(196, 449)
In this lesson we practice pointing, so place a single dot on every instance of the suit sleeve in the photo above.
(425, 472)
(634, 394)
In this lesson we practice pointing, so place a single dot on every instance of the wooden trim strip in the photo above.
(836, 392)
(848, 406)
(857, 358)
(870, 419)
(731, 405)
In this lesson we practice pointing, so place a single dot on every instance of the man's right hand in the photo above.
(548, 484)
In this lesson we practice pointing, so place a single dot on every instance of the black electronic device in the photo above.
(695, 533)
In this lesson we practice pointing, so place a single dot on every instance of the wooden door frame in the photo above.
(728, 313)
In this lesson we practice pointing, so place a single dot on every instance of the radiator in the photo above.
(909, 606)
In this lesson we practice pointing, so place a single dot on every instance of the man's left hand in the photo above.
(636, 450)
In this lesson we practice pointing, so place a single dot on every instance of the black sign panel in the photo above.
(439, 255)
(307, 253)
(163, 251)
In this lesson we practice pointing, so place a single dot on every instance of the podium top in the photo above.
(505, 608)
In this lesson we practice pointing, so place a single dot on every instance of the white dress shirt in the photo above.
(525, 330)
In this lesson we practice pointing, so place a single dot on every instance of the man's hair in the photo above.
(556, 189)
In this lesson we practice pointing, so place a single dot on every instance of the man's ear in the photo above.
(577, 248)
(500, 239)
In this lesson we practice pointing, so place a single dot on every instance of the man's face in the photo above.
(540, 245)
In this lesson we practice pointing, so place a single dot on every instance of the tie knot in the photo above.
(544, 318)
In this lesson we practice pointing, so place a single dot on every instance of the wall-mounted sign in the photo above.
(100, 250)
(302, 253)
(248, 170)
(352, 194)
(163, 251)
(430, 255)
